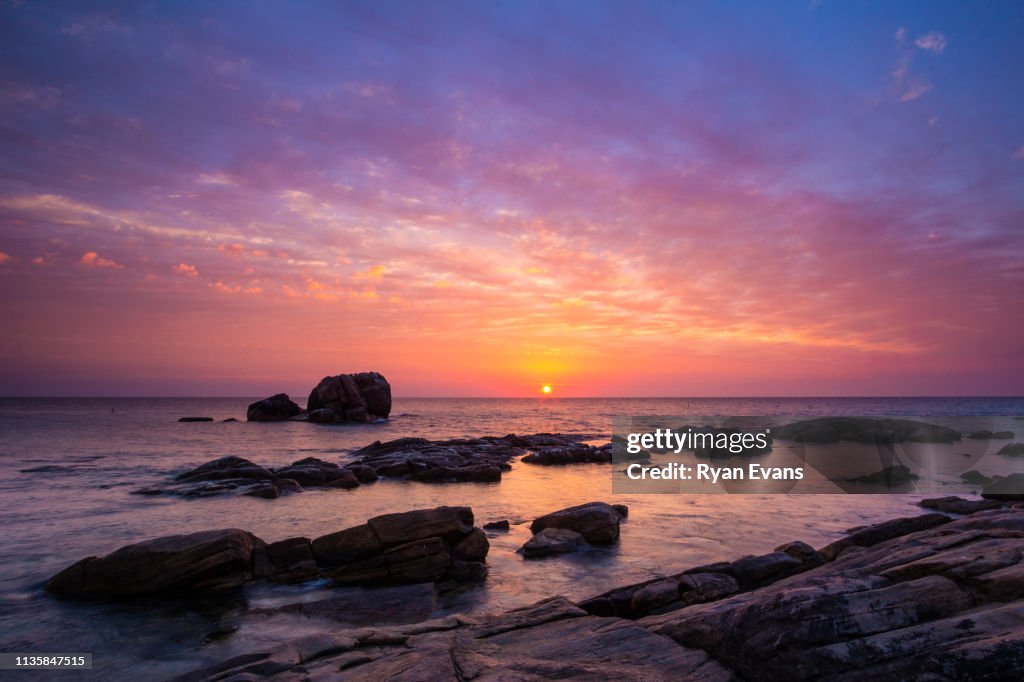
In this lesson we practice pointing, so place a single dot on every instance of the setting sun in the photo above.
(545, 389)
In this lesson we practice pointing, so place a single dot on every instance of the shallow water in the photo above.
(67, 468)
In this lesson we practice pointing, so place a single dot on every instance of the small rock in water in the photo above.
(551, 541)
(974, 477)
(1012, 450)
(196, 419)
(497, 525)
(891, 476)
(990, 435)
(958, 505)
(597, 522)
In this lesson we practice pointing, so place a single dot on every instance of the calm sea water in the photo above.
(68, 466)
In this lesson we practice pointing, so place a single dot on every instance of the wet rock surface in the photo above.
(911, 598)
(425, 545)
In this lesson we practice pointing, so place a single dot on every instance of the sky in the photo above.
(481, 198)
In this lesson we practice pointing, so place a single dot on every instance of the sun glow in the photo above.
(545, 389)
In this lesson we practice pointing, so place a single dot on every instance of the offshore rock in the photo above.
(362, 397)
(273, 409)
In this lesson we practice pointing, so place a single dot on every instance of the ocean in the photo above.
(68, 468)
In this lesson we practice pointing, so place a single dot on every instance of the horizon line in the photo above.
(527, 397)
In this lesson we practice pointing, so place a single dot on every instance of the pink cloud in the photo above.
(186, 270)
(91, 259)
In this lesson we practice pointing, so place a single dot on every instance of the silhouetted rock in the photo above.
(1012, 450)
(974, 477)
(958, 505)
(362, 397)
(597, 522)
(865, 430)
(209, 561)
(497, 525)
(891, 477)
(273, 409)
(574, 453)
(196, 419)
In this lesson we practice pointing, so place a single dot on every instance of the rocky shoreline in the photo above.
(924, 597)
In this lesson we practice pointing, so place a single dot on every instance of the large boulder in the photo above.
(362, 397)
(597, 522)
(273, 409)
(209, 561)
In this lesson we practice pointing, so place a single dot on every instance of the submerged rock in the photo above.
(865, 430)
(552, 541)
(273, 409)
(985, 434)
(597, 522)
(891, 477)
(958, 505)
(974, 477)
